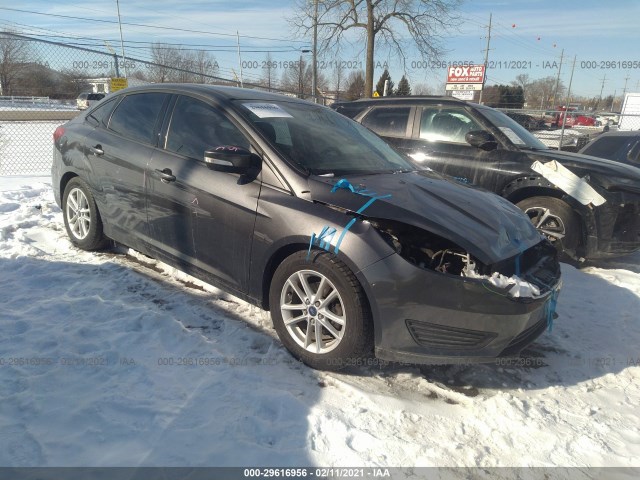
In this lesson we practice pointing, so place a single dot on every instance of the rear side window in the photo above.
(101, 114)
(388, 122)
(196, 127)
(136, 116)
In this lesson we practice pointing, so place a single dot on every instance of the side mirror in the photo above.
(482, 140)
(228, 158)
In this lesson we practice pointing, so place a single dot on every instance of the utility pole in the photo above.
(124, 60)
(239, 59)
(555, 92)
(486, 58)
(613, 99)
(115, 57)
(314, 67)
(566, 107)
(604, 79)
(626, 79)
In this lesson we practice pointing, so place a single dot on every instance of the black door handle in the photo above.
(165, 175)
(97, 150)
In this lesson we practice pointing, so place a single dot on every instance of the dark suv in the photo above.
(588, 207)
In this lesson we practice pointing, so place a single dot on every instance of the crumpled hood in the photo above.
(487, 226)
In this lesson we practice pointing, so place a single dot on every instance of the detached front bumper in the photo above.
(426, 317)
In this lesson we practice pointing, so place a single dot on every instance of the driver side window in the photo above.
(196, 127)
(446, 125)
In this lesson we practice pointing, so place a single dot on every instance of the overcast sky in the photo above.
(527, 37)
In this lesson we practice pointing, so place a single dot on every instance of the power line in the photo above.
(159, 27)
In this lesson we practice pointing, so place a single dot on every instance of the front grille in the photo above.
(524, 338)
(443, 337)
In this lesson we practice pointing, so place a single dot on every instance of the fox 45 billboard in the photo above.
(466, 74)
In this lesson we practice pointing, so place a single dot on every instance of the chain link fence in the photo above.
(579, 127)
(41, 80)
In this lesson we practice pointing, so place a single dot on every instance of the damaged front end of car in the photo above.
(530, 274)
(466, 276)
(438, 303)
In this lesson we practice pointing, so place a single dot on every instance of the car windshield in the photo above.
(322, 141)
(515, 132)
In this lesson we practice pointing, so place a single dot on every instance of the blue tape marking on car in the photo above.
(323, 240)
(517, 242)
(328, 232)
(344, 183)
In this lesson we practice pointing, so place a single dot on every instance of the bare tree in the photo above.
(540, 92)
(163, 57)
(422, 89)
(204, 65)
(381, 23)
(522, 80)
(338, 78)
(16, 55)
(299, 80)
(173, 64)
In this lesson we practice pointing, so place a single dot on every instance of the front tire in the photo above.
(556, 220)
(81, 217)
(320, 311)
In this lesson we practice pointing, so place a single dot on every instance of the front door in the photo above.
(197, 215)
(439, 143)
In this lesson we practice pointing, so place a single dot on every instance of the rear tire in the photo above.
(320, 311)
(556, 220)
(81, 217)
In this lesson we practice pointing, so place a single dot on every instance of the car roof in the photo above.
(619, 133)
(413, 99)
(214, 91)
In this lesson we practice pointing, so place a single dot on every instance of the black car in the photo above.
(589, 208)
(527, 121)
(302, 211)
(622, 147)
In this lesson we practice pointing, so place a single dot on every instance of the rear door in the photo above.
(393, 123)
(198, 216)
(119, 155)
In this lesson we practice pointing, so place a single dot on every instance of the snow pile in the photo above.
(113, 359)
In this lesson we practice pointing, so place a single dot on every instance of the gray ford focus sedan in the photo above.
(297, 209)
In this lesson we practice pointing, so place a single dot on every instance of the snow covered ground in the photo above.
(112, 359)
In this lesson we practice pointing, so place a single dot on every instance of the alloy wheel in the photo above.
(78, 213)
(547, 223)
(313, 311)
